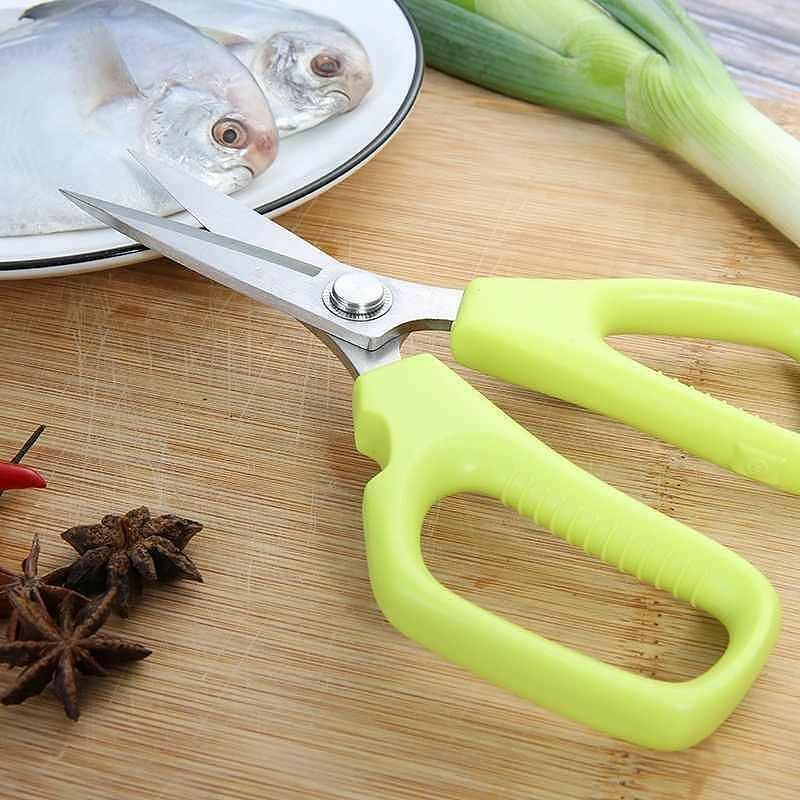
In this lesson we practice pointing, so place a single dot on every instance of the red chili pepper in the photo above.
(14, 476)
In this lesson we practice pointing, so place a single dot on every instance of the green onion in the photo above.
(639, 63)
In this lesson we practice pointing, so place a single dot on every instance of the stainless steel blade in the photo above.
(292, 285)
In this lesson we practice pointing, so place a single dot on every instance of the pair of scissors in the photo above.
(434, 435)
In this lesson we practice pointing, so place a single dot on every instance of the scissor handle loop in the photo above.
(549, 335)
(435, 436)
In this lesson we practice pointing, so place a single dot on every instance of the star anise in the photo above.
(47, 590)
(123, 551)
(66, 645)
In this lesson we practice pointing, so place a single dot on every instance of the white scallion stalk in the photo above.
(639, 63)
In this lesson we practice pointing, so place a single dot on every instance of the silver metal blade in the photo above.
(229, 216)
(295, 287)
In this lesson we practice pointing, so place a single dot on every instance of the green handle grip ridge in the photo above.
(548, 335)
(435, 436)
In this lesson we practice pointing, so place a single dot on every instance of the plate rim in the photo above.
(289, 200)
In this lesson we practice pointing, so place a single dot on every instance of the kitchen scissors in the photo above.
(434, 435)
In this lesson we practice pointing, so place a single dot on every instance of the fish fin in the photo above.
(51, 9)
(225, 38)
(105, 76)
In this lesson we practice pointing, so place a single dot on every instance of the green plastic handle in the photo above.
(434, 435)
(548, 335)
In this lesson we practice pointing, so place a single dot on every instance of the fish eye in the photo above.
(230, 133)
(326, 65)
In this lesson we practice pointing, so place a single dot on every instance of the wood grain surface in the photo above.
(759, 40)
(278, 677)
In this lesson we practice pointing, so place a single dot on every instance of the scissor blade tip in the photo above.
(95, 202)
(81, 199)
(94, 205)
(109, 213)
(138, 155)
(147, 162)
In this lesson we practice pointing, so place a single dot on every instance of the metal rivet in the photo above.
(358, 295)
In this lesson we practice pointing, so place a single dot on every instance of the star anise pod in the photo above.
(67, 644)
(123, 551)
(47, 590)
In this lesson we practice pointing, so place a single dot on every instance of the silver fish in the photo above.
(310, 67)
(83, 87)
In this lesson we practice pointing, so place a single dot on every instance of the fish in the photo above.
(310, 67)
(84, 87)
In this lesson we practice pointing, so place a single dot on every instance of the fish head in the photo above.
(312, 75)
(226, 134)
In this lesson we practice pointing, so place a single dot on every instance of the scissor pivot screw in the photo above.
(357, 295)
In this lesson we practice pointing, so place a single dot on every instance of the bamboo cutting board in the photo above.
(278, 678)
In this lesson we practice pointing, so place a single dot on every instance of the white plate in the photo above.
(307, 165)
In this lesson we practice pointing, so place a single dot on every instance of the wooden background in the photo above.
(278, 678)
(759, 40)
